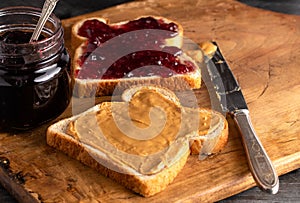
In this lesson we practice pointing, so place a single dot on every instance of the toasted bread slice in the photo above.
(88, 87)
(146, 185)
(152, 168)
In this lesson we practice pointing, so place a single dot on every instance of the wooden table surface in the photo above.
(261, 45)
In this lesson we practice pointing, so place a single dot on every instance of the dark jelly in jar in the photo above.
(35, 83)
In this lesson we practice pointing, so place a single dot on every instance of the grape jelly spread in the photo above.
(132, 49)
(35, 83)
(17, 37)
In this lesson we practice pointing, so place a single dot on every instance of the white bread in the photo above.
(100, 87)
(208, 142)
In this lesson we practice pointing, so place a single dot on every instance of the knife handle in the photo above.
(259, 163)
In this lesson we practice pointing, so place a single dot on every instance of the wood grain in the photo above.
(263, 50)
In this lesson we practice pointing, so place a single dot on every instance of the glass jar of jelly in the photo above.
(35, 83)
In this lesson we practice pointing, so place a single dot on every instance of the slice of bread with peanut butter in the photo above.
(142, 142)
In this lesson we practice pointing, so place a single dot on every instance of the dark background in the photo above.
(66, 8)
(282, 6)
(70, 8)
(289, 183)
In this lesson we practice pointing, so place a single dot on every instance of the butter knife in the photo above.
(231, 100)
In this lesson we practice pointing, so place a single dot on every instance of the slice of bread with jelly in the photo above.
(142, 142)
(110, 58)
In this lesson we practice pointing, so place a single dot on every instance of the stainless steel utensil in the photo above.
(48, 8)
(232, 101)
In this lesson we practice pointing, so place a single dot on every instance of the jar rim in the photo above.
(22, 18)
(36, 12)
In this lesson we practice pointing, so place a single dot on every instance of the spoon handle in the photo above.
(48, 7)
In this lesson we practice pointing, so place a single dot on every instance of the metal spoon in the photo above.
(48, 7)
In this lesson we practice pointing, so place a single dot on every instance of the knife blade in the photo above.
(231, 100)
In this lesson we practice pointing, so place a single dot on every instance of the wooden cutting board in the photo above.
(262, 48)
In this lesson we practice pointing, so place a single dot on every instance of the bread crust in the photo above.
(101, 87)
(145, 186)
(197, 144)
(77, 40)
(98, 87)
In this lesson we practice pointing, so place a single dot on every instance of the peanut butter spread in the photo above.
(147, 134)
